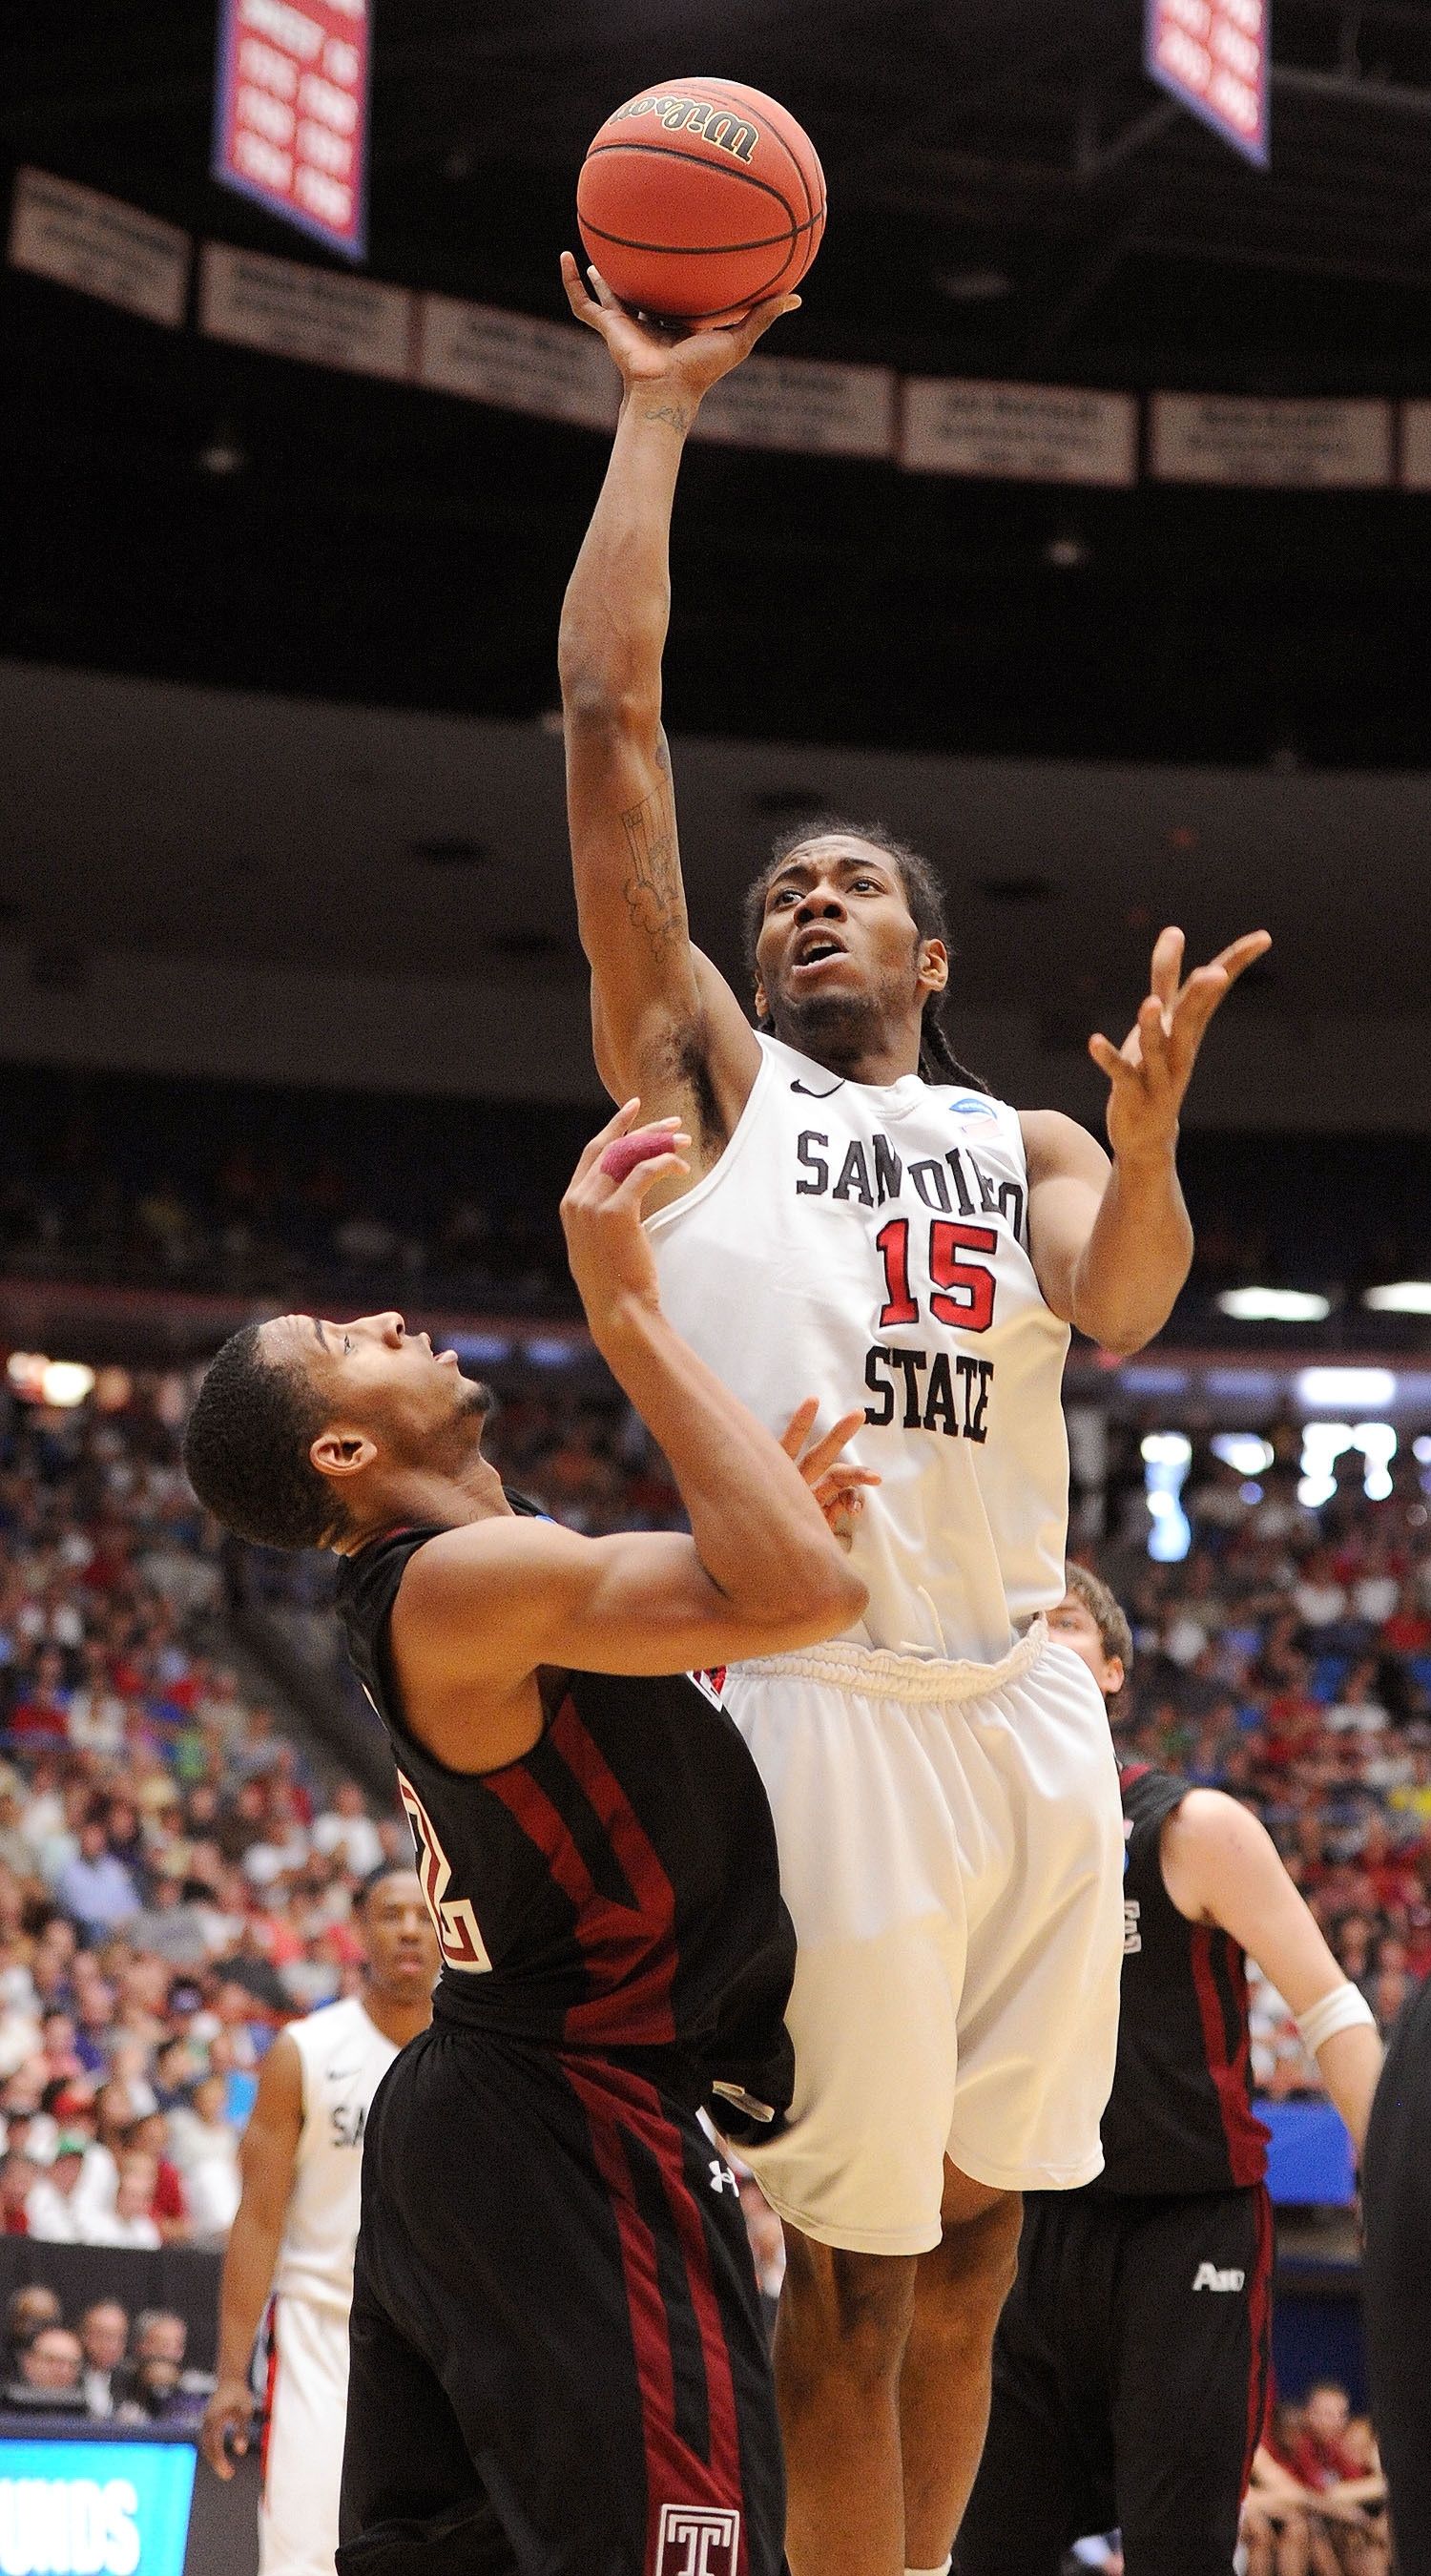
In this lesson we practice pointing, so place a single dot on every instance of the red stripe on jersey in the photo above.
(674, 2473)
(1246, 2138)
(1259, 2308)
(270, 2383)
(629, 1953)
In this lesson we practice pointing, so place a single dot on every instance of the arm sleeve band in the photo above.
(1342, 2009)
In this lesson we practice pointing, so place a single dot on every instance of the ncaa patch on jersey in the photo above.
(712, 1682)
(697, 2540)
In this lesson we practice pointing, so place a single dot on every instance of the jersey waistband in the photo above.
(915, 1681)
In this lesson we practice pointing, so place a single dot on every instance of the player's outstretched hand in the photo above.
(687, 357)
(606, 1246)
(1151, 1070)
(834, 1482)
(228, 2422)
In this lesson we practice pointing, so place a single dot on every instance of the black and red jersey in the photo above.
(1180, 2115)
(617, 1889)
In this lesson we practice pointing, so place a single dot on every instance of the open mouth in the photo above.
(816, 951)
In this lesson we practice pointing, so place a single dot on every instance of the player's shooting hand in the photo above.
(685, 358)
(228, 2422)
(606, 1246)
(833, 1481)
(1151, 1070)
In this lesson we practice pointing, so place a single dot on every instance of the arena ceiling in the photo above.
(1009, 198)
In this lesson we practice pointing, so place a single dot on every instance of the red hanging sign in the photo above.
(291, 112)
(1212, 55)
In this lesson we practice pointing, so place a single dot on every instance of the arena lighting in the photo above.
(1400, 1297)
(24, 1371)
(1325, 1388)
(1245, 1450)
(1324, 1442)
(66, 1382)
(1274, 1306)
(1167, 1456)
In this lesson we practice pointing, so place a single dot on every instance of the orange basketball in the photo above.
(700, 197)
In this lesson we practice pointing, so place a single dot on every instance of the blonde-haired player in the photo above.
(297, 2225)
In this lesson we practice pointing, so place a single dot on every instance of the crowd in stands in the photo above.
(1287, 1659)
(174, 1880)
(106, 2367)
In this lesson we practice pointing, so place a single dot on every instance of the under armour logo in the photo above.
(1208, 2277)
(721, 2175)
(697, 2540)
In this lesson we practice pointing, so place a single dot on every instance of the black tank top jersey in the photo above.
(1180, 2116)
(616, 1889)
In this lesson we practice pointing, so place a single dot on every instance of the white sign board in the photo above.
(311, 313)
(99, 245)
(1300, 446)
(802, 404)
(553, 370)
(1019, 433)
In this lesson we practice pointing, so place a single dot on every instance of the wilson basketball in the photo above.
(700, 198)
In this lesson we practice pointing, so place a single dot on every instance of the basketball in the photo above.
(700, 198)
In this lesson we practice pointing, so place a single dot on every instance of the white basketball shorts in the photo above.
(951, 1847)
(303, 2459)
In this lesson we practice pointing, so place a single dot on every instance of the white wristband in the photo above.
(1342, 2009)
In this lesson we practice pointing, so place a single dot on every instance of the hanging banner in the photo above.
(517, 363)
(311, 313)
(1212, 57)
(99, 245)
(291, 113)
(805, 405)
(1299, 446)
(1019, 433)
(1416, 446)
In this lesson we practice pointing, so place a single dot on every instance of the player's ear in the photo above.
(762, 1007)
(1113, 1676)
(342, 1453)
(933, 967)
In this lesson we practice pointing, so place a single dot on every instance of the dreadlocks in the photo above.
(925, 898)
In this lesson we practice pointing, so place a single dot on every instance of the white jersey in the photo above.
(344, 2057)
(869, 1245)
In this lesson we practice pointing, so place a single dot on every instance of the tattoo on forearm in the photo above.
(653, 889)
(680, 420)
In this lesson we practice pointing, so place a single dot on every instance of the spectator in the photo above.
(158, 2388)
(50, 2209)
(347, 1828)
(128, 2222)
(205, 2150)
(104, 2335)
(29, 2309)
(47, 2381)
(19, 2174)
(95, 1887)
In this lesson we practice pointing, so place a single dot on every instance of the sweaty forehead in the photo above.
(295, 1340)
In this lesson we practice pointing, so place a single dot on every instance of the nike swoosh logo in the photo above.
(804, 1089)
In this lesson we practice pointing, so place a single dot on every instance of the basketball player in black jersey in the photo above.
(1131, 2361)
(558, 2367)
(1396, 2278)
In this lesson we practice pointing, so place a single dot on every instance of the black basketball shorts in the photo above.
(1130, 2384)
(558, 2365)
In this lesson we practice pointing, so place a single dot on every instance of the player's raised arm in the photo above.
(665, 1023)
(1113, 1246)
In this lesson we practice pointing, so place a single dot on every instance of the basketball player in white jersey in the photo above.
(297, 2225)
(862, 1219)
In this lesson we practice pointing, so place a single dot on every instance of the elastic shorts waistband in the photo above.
(876, 1672)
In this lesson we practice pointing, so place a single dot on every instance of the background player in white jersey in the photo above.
(297, 2225)
(942, 1780)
